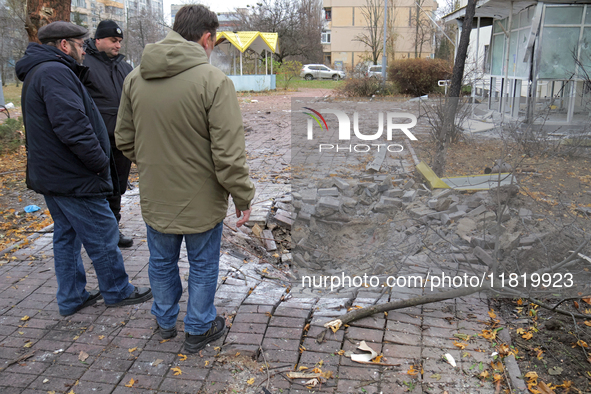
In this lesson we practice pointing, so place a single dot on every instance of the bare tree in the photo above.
(298, 24)
(423, 28)
(448, 124)
(144, 26)
(13, 37)
(373, 37)
(41, 13)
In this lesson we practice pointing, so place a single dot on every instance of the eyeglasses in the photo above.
(82, 46)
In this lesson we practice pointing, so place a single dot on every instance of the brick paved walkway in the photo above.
(100, 350)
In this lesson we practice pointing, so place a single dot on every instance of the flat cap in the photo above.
(61, 29)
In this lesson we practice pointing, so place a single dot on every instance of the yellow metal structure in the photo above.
(255, 40)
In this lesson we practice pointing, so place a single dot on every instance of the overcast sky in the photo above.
(222, 6)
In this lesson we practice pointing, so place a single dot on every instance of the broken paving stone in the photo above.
(465, 226)
(394, 193)
(475, 212)
(341, 184)
(410, 183)
(269, 241)
(443, 204)
(286, 258)
(457, 215)
(482, 243)
(409, 196)
(509, 242)
(442, 193)
(444, 218)
(458, 207)
(386, 184)
(329, 202)
(309, 196)
(419, 212)
(527, 241)
(432, 203)
(329, 191)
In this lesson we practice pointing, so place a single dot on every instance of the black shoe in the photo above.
(194, 343)
(124, 241)
(94, 296)
(139, 295)
(167, 333)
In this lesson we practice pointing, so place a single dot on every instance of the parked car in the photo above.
(374, 72)
(319, 71)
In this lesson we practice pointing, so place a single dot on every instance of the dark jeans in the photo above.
(203, 253)
(120, 174)
(88, 222)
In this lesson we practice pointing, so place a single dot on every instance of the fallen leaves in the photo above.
(82, 356)
(131, 383)
(25, 318)
(177, 371)
(133, 349)
(182, 357)
(250, 381)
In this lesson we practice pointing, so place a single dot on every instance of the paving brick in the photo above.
(249, 328)
(184, 386)
(324, 347)
(355, 386)
(281, 321)
(292, 312)
(281, 344)
(283, 332)
(360, 373)
(87, 387)
(402, 338)
(400, 351)
(244, 339)
(150, 382)
(251, 318)
(364, 334)
(369, 322)
(60, 385)
(66, 371)
(100, 375)
(314, 331)
(278, 357)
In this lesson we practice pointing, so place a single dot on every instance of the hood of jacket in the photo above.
(37, 54)
(92, 50)
(170, 57)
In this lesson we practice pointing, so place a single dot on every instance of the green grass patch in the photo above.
(315, 84)
(12, 94)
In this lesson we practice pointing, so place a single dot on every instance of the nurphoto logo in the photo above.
(345, 130)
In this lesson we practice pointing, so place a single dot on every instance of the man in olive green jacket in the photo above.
(180, 122)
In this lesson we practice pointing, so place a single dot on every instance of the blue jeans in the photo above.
(88, 221)
(203, 252)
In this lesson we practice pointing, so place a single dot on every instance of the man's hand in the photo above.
(245, 216)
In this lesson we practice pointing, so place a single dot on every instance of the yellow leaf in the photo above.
(587, 323)
(76, 337)
(411, 371)
(341, 352)
(164, 340)
(101, 337)
(531, 375)
(492, 314)
(250, 381)
(177, 371)
(520, 331)
(302, 368)
(237, 354)
(485, 374)
(131, 383)
(378, 359)
(527, 336)
(206, 363)
(28, 344)
(132, 350)
(582, 343)
(25, 318)
(182, 357)
(496, 377)
(460, 345)
(520, 302)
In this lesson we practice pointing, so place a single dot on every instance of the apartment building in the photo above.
(89, 13)
(345, 21)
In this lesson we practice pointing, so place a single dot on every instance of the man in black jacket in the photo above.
(68, 162)
(104, 80)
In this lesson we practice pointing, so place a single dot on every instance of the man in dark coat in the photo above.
(104, 79)
(68, 162)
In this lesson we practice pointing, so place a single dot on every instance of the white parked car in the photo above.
(374, 72)
(319, 71)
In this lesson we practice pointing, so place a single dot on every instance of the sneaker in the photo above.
(94, 296)
(167, 333)
(124, 241)
(194, 343)
(139, 295)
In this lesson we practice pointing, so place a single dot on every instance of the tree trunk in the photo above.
(43, 12)
(452, 101)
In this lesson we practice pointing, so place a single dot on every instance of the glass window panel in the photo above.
(513, 54)
(563, 15)
(497, 54)
(586, 51)
(588, 17)
(515, 22)
(522, 67)
(558, 45)
(525, 17)
(497, 28)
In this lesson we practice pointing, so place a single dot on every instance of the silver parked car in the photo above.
(374, 72)
(319, 71)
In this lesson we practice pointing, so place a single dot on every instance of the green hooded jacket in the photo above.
(180, 122)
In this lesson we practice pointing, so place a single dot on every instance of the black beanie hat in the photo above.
(108, 28)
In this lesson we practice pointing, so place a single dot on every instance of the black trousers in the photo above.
(120, 173)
